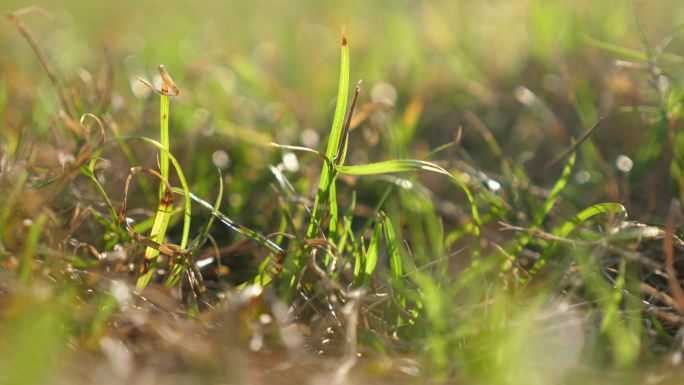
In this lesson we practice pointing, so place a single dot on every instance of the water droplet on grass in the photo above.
(582, 177)
(290, 162)
(220, 159)
(493, 185)
(624, 163)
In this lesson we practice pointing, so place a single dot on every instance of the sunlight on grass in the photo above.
(498, 202)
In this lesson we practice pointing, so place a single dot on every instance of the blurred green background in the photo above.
(258, 62)
(465, 49)
(526, 68)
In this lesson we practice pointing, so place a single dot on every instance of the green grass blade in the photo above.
(569, 226)
(612, 308)
(376, 208)
(348, 219)
(366, 262)
(46, 182)
(668, 39)
(601, 208)
(163, 214)
(157, 234)
(264, 276)
(622, 328)
(327, 172)
(184, 184)
(251, 234)
(555, 191)
(341, 106)
(164, 139)
(88, 172)
(30, 246)
(391, 166)
(327, 160)
(178, 268)
(540, 215)
(632, 54)
(406, 165)
(626, 53)
(396, 264)
(159, 219)
(372, 253)
(210, 221)
(642, 36)
(334, 211)
(348, 246)
(128, 154)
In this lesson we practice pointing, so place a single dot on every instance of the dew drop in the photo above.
(624, 163)
(220, 159)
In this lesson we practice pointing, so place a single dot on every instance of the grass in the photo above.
(497, 202)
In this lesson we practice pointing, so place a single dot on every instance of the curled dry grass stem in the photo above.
(84, 161)
(186, 195)
(89, 170)
(182, 256)
(178, 253)
(166, 203)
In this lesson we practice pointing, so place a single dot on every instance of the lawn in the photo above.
(458, 192)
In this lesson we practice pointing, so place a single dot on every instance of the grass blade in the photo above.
(540, 215)
(253, 235)
(187, 209)
(612, 308)
(327, 173)
(366, 262)
(163, 215)
(348, 219)
(566, 228)
(164, 139)
(396, 265)
(89, 170)
(391, 166)
(405, 165)
(217, 205)
(184, 186)
(555, 191)
(30, 245)
(178, 268)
